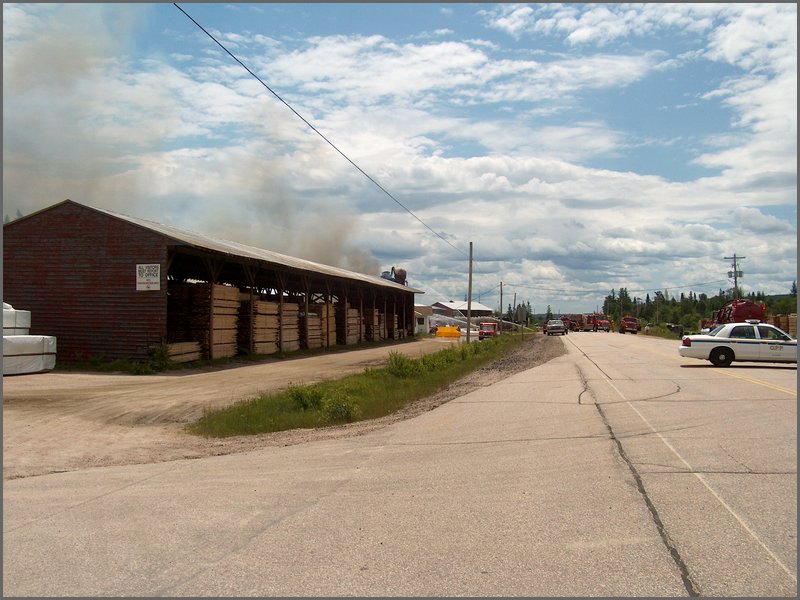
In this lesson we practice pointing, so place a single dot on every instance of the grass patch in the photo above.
(158, 360)
(368, 395)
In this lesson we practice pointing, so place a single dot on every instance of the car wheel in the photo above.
(721, 357)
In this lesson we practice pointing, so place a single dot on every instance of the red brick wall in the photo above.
(74, 268)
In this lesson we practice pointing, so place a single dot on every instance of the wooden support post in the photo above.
(281, 287)
(214, 269)
(328, 302)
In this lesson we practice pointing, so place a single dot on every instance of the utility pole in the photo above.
(736, 273)
(469, 295)
(501, 302)
(514, 307)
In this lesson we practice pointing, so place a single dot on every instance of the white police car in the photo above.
(751, 341)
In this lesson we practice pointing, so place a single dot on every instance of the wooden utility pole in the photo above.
(514, 307)
(501, 302)
(736, 273)
(469, 295)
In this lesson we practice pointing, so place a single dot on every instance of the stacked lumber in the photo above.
(786, 322)
(327, 317)
(371, 325)
(362, 330)
(392, 332)
(217, 305)
(382, 326)
(311, 330)
(290, 327)
(349, 330)
(258, 324)
(181, 352)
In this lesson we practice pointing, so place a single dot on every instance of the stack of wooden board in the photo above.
(181, 352)
(382, 326)
(311, 330)
(219, 306)
(327, 316)
(786, 322)
(371, 325)
(349, 325)
(392, 332)
(258, 325)
(290, 327)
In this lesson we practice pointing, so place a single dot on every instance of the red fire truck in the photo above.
(602, 322)
(737, 311)
(573, 322)
(629, 324)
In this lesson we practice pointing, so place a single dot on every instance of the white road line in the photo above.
(702, 480)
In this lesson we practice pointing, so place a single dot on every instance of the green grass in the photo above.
(368, 395)
(158, 359)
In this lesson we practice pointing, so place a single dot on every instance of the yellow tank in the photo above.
(442, 331)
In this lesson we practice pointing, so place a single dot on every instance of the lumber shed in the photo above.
(111, 286)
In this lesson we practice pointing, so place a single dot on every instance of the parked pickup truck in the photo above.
(629, 324)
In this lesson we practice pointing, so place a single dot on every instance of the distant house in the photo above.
(422, 318)
(459, 309)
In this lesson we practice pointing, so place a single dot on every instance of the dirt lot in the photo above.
(63, 421)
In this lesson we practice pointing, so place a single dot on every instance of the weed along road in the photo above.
(616, 469)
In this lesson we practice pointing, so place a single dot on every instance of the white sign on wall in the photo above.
(148, 277)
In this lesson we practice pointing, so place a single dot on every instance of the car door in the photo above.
(776, 346)
(744, 342)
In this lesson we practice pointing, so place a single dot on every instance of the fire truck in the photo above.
(573, 322)
(629, 324)
(486, 330)
(737, 311)
(602, 322)
(588, 323)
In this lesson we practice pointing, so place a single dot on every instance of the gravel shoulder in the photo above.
(64, 421)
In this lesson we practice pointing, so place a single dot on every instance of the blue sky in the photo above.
(580, 147)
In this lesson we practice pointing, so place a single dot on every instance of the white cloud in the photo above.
(483, 144)
(600, 24)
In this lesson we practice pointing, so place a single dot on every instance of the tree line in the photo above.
(685, 309)
(688, 308)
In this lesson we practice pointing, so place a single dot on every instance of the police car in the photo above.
(751, 341)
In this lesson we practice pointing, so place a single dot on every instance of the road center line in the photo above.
(705, 483)
(757, 382)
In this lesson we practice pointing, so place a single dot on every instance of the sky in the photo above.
(579, 148)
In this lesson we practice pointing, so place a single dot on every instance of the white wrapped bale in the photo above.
(28, 354)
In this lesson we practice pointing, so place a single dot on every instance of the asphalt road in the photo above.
(618, 469)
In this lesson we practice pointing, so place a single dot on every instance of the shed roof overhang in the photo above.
(194, 255)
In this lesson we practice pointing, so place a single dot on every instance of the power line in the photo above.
(317, 131)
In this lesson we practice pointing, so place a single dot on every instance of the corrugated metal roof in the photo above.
(242, 250)
(462, 306)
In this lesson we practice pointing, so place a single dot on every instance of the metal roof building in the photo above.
(459, 309)
(107, 286)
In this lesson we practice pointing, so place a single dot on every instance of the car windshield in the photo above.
(716, 330)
